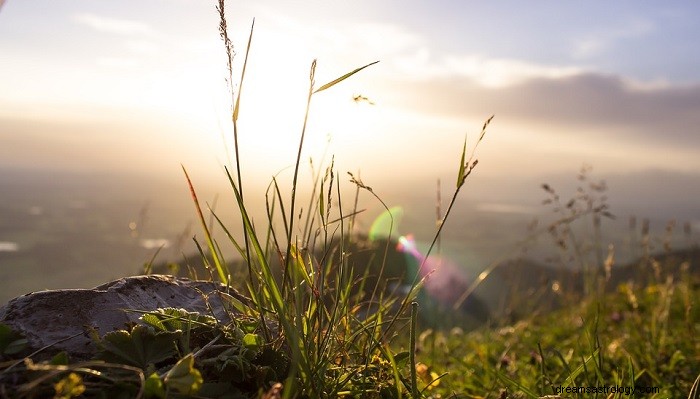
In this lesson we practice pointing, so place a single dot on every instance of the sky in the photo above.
(140, 87)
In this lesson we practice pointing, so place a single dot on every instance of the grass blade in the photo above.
(462, 166)
(415, 393)
(525, 390)
(240, 85)
(340, 79)
(695, 390)
(220, 267)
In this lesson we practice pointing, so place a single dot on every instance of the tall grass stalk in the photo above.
(220, 266)
(466, 166)
(412, 346)
(235, 102)
(301, 315)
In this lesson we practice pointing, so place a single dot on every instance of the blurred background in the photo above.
(102, 102)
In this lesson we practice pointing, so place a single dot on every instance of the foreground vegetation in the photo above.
(641, 337)
(318, 324)
(638, 336)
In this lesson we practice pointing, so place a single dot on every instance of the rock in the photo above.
(59, 319)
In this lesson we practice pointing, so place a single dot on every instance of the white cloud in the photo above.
(409, 57)
(602, 41)
(484, 71)
(139, 42)
(589, 46)
(405, 55)
(496, 72)
(114, 25)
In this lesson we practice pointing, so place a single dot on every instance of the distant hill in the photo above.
(526, 287)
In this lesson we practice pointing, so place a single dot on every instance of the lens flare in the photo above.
(385, 226)
(445, 280)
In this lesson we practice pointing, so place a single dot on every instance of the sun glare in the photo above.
(271, 117)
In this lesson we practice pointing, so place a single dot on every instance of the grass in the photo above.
(644, 337)
(329, 345)
(320, 325)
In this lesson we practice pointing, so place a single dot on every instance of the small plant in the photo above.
(10, 342)
(628, 345)
(589, 201)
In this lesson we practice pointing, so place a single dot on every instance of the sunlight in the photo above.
(195, 101)
(271, 118)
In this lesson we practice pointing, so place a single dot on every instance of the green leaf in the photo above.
(16, 346)
(252, 341)
(140, 347)
(10, 341)
(183, 377)
(299, 267)
(340, 79)
(172, 319)
(153, 321)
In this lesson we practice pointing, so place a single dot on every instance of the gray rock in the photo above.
(58, 320)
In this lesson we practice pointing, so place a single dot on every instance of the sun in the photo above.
(272, 115)
(273, 101)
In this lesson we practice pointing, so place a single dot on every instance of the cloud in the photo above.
(602, 41)
(594, 102)
(139, 41)
(115, 26)
(404, 54)
(504, 72)
(420, 64)
(590, 111)
(572, 99)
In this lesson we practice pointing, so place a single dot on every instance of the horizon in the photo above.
(76, 230)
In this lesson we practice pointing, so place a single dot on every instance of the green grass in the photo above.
(637, 336)
(331, 348)
(319, 325)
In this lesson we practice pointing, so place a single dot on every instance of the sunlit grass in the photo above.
(317, 323)
(638, 336)
(313, 303)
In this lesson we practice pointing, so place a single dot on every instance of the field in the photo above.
(332, 315)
